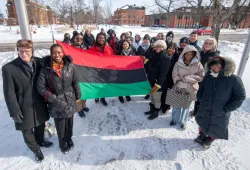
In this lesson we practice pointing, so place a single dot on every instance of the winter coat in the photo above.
(158, 66)
(20, 93)
(140, 51)
(115, 42)
(195, 44)
(136, 45)
(106, 49)
(205, 56)
(218, 97)
(131, 53)
(169, 80)
(88, 40)
(185, 77)
(62, 92)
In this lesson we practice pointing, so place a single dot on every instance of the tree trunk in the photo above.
(216, 30)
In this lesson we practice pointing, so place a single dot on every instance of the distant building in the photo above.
(37, 13)
(187, 17)
(128, 15)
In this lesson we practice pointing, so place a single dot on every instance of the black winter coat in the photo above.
(89, 40)
(205, 56)
(158, 66)
(64, 91)
(20, 93)
(149, 53)
(140, 51)
(218, 97)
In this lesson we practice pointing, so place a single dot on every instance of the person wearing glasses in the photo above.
(78, 41)
(160, 36)
(209, 50)
(26, 107)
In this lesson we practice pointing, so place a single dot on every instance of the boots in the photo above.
(46, 144)
(70, 144)
(207, 142)
(200, 138)
(103, 101)
(128, 98)
(65, 148)
(154, 114)
(151, 109)
(81, 113)
(121, 99)
(147, 97)
(97, 100)
(39, 156)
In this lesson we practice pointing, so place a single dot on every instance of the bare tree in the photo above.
(107, 9)
(61, 8)
(95, 6)
(222, 13)
(239, 14)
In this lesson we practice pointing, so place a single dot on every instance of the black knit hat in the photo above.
(184, 39)
(153, 40)
(170, 34)
(146, 37)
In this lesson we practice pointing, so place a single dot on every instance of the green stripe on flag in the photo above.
(100, 90)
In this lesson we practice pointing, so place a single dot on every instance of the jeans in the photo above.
(180, 115)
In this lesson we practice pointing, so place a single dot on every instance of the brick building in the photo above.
(187, 17)
(128, 15)
(37, 13)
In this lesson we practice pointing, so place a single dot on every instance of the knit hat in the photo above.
(146, 37)
(170, 34)
(184, 39)
(153, 40)
(161, 43)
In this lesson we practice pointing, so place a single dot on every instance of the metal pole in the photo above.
(23, 19)
(245, 56)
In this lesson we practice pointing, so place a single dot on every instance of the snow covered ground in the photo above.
(45, 32)
(120, 137)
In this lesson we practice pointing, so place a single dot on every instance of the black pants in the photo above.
(163, 100)
(64, 128)
(34, 136)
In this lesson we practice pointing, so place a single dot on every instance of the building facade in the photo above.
(37, 14)
(188, 17)
(128, 15)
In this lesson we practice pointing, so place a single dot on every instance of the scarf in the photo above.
(145, 46)
(112, 43)
(215, 75)
(58, 68)
(126, 51)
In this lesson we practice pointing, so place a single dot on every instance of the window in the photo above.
(124, 21)
(180, 16)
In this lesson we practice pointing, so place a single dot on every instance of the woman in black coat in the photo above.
(58, 84)
(169, 83)
(158, 66)
(88, 39)
(220, 93)
(209, 49)
(126, 51)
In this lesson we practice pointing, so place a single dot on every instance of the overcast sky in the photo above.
(116, 4)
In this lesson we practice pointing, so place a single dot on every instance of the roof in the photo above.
(132, 7)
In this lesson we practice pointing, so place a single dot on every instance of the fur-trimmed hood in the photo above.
(229, 66)
(46, 61)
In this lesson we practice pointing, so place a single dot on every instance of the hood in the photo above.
(189, 48)
(122, 35)
(170, 33)
(138, 36)
(229, 67)
(46, 61)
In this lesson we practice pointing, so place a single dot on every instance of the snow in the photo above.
(45, 32)
(120, 137)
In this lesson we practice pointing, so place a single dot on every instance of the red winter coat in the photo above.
(107, 50)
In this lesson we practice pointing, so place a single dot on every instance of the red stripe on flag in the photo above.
(99, 60)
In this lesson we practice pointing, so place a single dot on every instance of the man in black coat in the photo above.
(220, 93)
(88, 39)
(26, 107)
(169, 39)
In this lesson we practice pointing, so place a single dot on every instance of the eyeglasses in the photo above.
(24, 52)
(209, 43)
(79, 39)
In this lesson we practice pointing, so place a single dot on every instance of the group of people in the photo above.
(36, 89)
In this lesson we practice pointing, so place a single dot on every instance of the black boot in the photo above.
(81, 113)
(154, 114)
(207, 143)
(151, 109)
(97, 100)
(65, 148)
(147, 97)
(165, 108)
(85, 109)
(128, 98)
(196, 109)
(200, 138)
(172, 123)
(121, 99)
(46, 144)
(70, 144)
(103, 101)
(39, 156)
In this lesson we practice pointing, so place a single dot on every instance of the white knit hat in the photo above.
(161, 43)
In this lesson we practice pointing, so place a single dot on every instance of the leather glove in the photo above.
(155, 89)
(144, 59)
(78, 101)
(18, 118)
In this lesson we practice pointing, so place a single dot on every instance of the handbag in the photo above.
(49, 130)
(177, 98)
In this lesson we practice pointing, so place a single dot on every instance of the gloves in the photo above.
(155, 89)
(144, 59)
(18, 118)
(78, 101)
